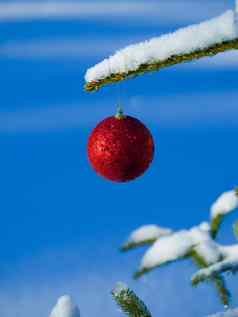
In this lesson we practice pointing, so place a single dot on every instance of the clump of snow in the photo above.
(228, 313)
(226, 203)
(229, 251)
(227, 262)
(147, 233)
(185, 40)
(120, 287)
(205, 226)
(209, 251)
(65, 308)
(180, 244)
(167, 249)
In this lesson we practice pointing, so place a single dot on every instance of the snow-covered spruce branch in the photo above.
(228, 263)
(196, 243)
(129, 302)
(218, 281)
(193, 42)
(225, 204)
(180, 245)
(145, 235)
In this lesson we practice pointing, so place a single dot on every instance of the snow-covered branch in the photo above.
(229, 263)
(180, 245)
(195, 243)
(145, 235)
(226, 203)
(205, 39)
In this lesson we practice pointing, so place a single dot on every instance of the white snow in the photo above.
(229, 251)
(167, 249)
(209, 251)
(146, 233)
(205, 226)
(228, 313)
(179, 244)
(225, 203)
(228, 262)
(185, 40)
(65, 308)
(120, 287)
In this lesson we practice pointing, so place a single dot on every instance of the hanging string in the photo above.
(119, 96)
(120, 103)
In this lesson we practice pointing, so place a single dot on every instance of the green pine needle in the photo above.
(235, 229)
(129, 302)
(223, 292)
(198, 259)
(198, 279)
(220, 284)
(215, 225)
(218, 280)
(236, 190)
(131, 245)
(141, 272)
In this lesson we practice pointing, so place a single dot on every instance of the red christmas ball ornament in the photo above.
(120, 148)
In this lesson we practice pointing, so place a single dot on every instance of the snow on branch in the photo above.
(195, 243)
(180, 245)
(145, 235)
(193, 42)
(129, 302)
(229, 263)
(226, 203)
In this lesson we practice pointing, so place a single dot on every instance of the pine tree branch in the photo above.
(173, 60)
(129, 302)
(235, 229)
(143, 271)
(227, 265)
(216, 222)
(215, 225)
(145, 235)
(198, 259)
(131, 245)
(218, 280)
(223, 292)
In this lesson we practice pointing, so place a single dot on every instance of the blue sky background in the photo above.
(61, 224)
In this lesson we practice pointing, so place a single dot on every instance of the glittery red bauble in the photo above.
(120, 149)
